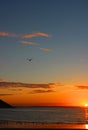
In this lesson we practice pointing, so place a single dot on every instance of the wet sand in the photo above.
(27, 125)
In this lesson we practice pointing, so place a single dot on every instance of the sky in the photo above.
(54, 34)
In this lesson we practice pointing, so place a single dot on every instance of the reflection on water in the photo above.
(14, 124)
(62, 115)
(44, 117)
(86, 126)
(86, 115)
(18, 124)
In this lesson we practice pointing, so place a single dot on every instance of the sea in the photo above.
(62, 115)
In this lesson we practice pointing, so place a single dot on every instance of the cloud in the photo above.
(15, 89)
(26, 85)
(7, 34)
(46, 49)
(56, 84)
(29, 43)
(18, 86)
(2, 80)
(6, 94)
(33, 88)
(42, 91)
(35, 34)
(82, 87)
(31, 35)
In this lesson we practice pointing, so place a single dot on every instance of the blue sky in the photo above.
(57, 41)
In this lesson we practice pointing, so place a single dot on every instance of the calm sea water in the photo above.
(45, 114)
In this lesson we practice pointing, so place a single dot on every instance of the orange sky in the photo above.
(22, 94)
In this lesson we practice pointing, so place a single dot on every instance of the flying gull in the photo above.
(29, 59)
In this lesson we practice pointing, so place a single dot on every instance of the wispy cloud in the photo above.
(82, 87)
(7, 34)
(26, 85)
(6, 94)
(35, 34)
(46, 49)
(58, 84)
(28, 35)
(3, 80)
(16, 87)
(29, 43)
(42, 91)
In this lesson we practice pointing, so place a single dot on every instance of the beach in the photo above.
(31, 125)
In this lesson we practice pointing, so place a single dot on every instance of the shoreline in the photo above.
(35, 125)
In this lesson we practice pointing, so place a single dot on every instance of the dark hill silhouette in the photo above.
(5, 105)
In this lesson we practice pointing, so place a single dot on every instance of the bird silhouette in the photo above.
(29, 59)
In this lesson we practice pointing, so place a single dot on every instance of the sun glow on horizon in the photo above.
(86, 105)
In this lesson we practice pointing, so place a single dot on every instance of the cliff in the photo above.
(5, 105)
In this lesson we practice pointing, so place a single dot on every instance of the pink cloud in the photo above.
(29, 43)
(46, 49)
(31, 35)
(35, 34)
(7, 34)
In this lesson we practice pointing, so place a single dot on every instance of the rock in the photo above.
(4, 104)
